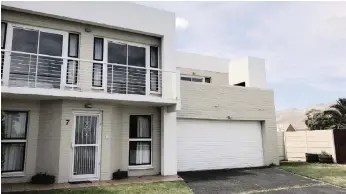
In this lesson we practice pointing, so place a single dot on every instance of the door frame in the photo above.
(96, 176)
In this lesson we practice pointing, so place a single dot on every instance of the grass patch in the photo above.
(174, 187)
(330, 173)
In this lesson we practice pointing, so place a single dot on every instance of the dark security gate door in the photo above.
(340, 145)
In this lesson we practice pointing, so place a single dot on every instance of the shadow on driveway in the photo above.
(264, 180)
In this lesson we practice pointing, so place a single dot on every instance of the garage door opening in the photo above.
(212, 144)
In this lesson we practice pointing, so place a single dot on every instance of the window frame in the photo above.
(75, 82)
(147, 61)
(194, 77)
(158, 69)
(101, 62)
(145, 165)
(3, 46)
(17, 141)
(9, 39)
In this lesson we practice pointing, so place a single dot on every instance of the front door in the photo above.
(86, 146)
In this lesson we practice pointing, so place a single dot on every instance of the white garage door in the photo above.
(207, 144)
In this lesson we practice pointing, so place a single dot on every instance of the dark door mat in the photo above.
(79, 182)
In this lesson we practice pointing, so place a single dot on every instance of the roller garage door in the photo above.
(208, 144)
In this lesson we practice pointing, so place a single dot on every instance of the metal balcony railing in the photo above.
(19, 69)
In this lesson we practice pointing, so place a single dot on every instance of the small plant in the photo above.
(120, 175)
(43, 178)
(324, 157)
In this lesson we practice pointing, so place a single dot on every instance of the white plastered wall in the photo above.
(250, 70)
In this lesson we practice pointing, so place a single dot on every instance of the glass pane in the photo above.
(84, 160)
(13, 125)
(48, 72)
(140, 126)
(185, 78)
(116, 79)
(154, 57)
(12, 157)
(72, 72)
(86, 127)
(22, 70)
(97, 74)
(73, 45)
(25, 40)
(207, 80)
(3, 33)
(136, 56)
(98, 49)
(2, 62)
(197, 79)
(140, 153)
(117, 53)
(136, 81)
(154, 80)
(50, 44)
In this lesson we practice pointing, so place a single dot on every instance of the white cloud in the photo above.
(304, 42)
(181, 23)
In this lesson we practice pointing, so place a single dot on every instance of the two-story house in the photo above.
(92, 87)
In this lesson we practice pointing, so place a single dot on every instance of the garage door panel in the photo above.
(206, 144)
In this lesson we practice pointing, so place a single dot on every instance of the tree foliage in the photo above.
(333, 118)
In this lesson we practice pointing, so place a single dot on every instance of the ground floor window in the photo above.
(13, 140)
(140, 140)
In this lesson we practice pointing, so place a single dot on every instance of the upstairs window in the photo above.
(97, 80)
(72, 65)
(191, 78)
(28, 69)
(155, 73)
(3, 42)
(126, 68)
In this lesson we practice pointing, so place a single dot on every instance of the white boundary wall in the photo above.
(281, 145)
(297, 143)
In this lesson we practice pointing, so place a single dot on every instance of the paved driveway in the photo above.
(265, 180)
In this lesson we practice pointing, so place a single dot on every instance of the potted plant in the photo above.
(43, 178)
(311, 158)
(120, 175)
(324, 157)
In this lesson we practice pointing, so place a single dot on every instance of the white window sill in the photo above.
(12, 174)
(97, 88)
(141, 167)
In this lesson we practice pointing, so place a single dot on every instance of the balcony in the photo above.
(45, 75)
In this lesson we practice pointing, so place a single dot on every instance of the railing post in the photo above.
(63, 74)
(147, 81)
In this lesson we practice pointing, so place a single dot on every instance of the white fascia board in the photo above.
(120, 15)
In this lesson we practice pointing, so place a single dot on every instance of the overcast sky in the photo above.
(303, 43)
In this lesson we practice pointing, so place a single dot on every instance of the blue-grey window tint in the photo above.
(117, 53)
(50, 44)
(25, 40)
(136, 56)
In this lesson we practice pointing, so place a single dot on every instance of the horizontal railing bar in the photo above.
(84, 60)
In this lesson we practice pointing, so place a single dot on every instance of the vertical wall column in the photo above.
(168, 140)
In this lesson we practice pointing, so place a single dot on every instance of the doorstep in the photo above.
(18, 187)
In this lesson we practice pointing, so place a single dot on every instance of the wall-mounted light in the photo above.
(87, 29)
(88, 105)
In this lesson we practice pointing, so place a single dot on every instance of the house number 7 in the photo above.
(67, 121)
